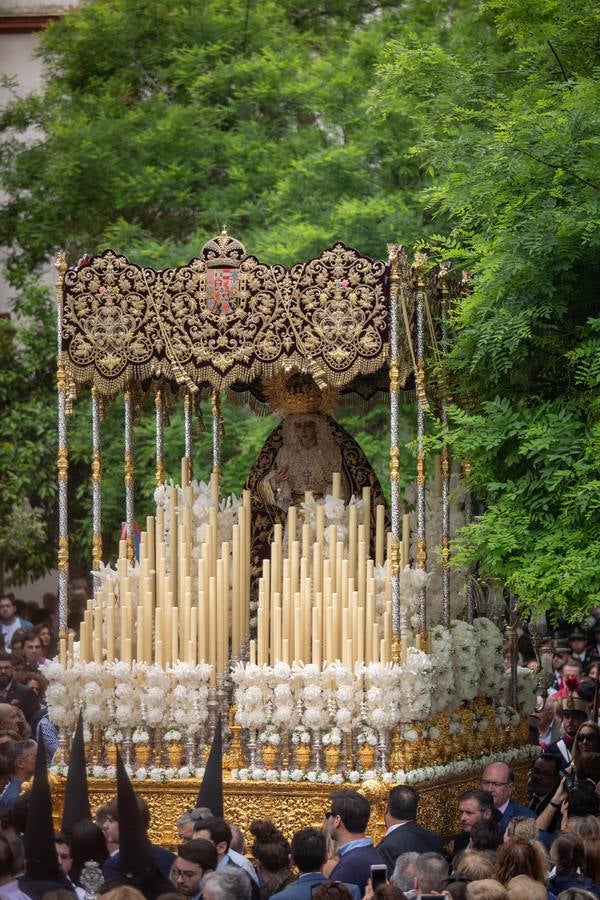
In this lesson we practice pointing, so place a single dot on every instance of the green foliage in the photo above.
(511, 131)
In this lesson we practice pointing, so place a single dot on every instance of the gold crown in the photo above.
(223, 250)
(298, 393)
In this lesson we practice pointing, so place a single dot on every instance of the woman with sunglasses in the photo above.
(587, 740)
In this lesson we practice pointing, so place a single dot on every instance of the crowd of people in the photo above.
(549, 848)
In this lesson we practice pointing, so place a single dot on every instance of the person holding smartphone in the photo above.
(347, 823)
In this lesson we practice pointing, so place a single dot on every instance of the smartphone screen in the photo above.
(378, 875)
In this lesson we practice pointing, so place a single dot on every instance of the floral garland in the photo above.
(415, 776)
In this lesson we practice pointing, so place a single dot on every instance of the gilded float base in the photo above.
(292, 806)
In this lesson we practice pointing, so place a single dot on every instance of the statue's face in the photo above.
(306, 432)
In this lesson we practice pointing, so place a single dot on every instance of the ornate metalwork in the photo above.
(217, 428)
(421, 408)
(62, 461)
(188, 412)
(129, 472)
(159, 431)
(96, 485)
(225, 317)
(394, 449)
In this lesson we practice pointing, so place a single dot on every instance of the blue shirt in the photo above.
(352, 845)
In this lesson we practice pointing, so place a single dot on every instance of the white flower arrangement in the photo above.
(367, 735)
(491, 676)
(332, 736)
(140, 735)
(171, 734)
(440, 651)
(270, 736)
(526, 689)
(113, 735)
(465, 660)
(416, 686)
(251, 694)
(382, 695)
(300, 735)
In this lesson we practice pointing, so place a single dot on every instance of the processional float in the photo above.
(338, 647)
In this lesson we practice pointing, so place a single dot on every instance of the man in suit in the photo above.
(499, 780)
(403, 834)
(309, 853)
(473, 806)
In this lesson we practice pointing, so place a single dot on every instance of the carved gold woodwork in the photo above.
(291, 806)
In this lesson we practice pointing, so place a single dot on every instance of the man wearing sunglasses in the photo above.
(346, 823)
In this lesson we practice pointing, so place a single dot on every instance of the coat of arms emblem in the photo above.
(222, 291)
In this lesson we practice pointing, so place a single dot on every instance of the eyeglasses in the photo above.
(183, 873)
(329, 815)
(494, 784)
(587, 736)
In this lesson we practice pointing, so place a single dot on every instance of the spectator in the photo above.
(403, 833)
(347, 823)
(163, 859)
(591, 850)
(194, 860)
(405, 872)
(32, 650)
(308, 852)
(473, 865)
(9, 887)
(485, 835)
(431, 874)
(271, 851)
(9, 620)
(568, 855)
(472, 807)
(331, 890)
(520, 857)
(499, 780)
(217, 830)
(21, 762)
(523, 888)
(185, 822)
(14, 694)
(230, 883)
(488, 889)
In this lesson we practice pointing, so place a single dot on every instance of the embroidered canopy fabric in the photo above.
(226, 319)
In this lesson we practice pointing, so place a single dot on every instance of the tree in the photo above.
(157, 123)
(508, 120)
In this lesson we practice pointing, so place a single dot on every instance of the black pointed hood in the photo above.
(135, 851)
(211, 789)
(41, 861)
(77, 801)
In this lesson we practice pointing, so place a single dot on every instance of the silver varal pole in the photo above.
(158, 437)
(96, 486)
(62, 464)
(421, 407)
(395, 452)
(216, 431)
(188, 411)
(129, 470)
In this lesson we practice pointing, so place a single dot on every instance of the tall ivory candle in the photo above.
(291, 524)
(158, 637)
(297, 629)
(252, 653)
(193, 641)
(320, 524)
(352, 526)
(336, 486)
(406, 539)
(379, 535)
(175, 656)
(329, 640)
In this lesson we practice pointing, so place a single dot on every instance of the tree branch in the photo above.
(557, 166)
